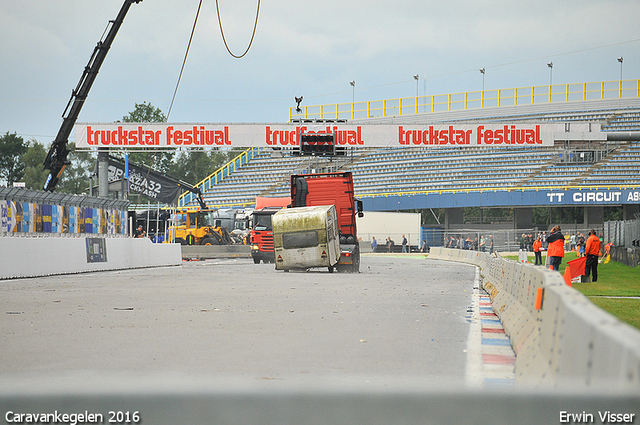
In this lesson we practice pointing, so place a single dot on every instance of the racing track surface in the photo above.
(402, 317)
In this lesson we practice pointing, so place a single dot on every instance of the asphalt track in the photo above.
(402, 317)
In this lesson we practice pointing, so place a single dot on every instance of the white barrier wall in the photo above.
(568, 341)
(33, 257)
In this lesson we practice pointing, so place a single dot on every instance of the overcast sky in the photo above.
(309, 48)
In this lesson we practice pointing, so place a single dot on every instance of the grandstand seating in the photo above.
(393, 170)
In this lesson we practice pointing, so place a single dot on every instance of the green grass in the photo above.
(624, 309)
(614, 280)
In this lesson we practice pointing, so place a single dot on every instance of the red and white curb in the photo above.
(490, 358)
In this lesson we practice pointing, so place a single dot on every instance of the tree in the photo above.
(34, 173)
(77, 175)
(12, 148)
(194, 165)
(147, 113)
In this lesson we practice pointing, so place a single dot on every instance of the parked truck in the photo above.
(306, 237)
(308, 190)
(262, 235)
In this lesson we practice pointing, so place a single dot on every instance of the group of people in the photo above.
(577, 242)
(527, 241)
(389, 244)
(141, 233)
(484, 244)
(592, 249)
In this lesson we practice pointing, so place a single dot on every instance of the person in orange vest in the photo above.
(592, 249)
(537, 244)
(555, 252)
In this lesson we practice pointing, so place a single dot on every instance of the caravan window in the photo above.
(300, 239)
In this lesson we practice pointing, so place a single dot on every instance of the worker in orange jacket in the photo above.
(593, 251)
(555, 252)
(537, 244)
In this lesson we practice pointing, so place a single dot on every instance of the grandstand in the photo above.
(405, 172)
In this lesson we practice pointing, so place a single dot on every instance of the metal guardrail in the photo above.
(17, 194)
(555, 93)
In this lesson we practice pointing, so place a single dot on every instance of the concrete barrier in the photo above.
(44, 256)
(216, 251)
(569, 341)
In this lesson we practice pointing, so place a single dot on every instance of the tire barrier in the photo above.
(567, 341)
(44, 256)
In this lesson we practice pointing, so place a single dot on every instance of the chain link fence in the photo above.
(622, 233)
(625, 236)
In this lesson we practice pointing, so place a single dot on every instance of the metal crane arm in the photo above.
(56, 159)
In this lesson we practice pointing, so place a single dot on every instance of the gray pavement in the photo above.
(401, 318)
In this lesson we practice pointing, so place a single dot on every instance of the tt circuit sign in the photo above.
(593, 197)
(166, 135)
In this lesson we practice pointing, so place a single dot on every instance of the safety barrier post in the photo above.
(533, 96)
(620, 90)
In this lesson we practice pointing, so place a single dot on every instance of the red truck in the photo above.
(310, 190)
(262, 235)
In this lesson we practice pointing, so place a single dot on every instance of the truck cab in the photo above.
(262, 235)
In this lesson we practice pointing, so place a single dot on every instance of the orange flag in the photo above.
(577, 266)
(574, 269)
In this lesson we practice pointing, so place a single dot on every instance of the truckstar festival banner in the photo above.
(167, 135)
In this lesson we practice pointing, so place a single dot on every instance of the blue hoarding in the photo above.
(502, 198)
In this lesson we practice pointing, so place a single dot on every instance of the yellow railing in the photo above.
(556, 93)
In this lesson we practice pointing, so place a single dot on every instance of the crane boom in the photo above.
(56, 159)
